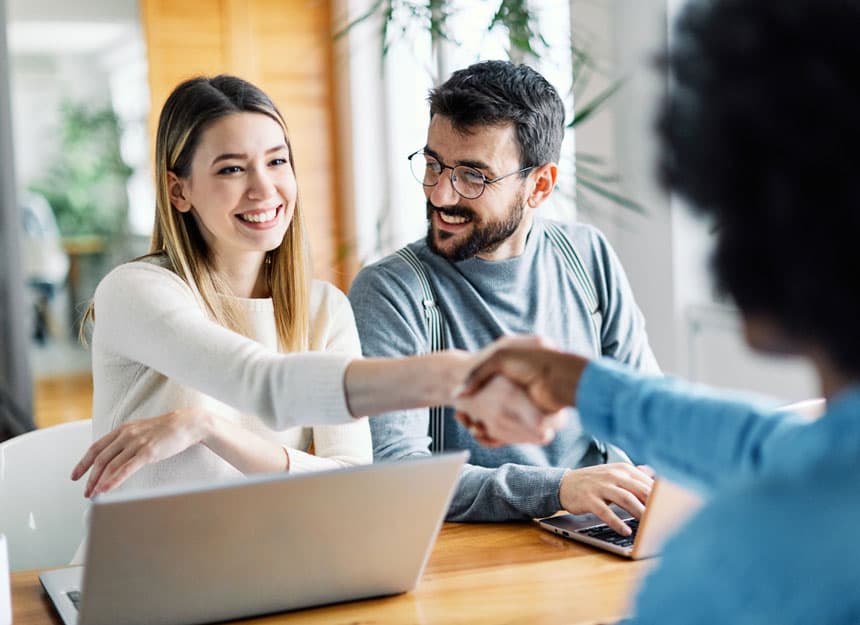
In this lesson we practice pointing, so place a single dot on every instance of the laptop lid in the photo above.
(667, 508)
(263, 544)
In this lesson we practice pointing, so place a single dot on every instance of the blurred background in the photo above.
(82, 83)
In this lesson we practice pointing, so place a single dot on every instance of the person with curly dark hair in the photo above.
(760, 133)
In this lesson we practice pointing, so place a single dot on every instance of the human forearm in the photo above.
(135, 444)
(303, 462)
(550, 377)
(147, 316)
(512, 492)
(377, 385)
(687, 432)
(247, 451)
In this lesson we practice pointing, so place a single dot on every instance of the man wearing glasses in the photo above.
(489, 267)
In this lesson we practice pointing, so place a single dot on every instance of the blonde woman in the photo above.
(220, 329)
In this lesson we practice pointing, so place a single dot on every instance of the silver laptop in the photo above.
(264, 544)
(667, 508)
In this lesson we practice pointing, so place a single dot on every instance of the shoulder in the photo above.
(585, 238)
(391, 276)
(326, 297)
(140, 278)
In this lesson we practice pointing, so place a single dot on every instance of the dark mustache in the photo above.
(457, 211)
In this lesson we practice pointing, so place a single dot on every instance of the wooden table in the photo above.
(478, 574)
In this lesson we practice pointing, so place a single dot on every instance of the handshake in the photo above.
(516, 390)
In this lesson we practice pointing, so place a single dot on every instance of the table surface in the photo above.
(478, 574)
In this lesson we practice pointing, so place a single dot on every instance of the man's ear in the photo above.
(544, 178)
(178, 192)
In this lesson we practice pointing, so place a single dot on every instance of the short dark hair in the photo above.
(761, 132)
(495, 93)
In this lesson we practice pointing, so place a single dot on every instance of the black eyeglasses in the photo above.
(467, 181)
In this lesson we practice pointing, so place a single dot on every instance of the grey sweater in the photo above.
(481, 301)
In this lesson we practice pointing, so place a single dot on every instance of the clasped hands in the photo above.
(517, 390)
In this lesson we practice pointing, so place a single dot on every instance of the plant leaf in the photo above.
(361, 18)
(609, 194)
(594, 105)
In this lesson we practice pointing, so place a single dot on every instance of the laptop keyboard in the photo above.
(75, 598)
(604, 532)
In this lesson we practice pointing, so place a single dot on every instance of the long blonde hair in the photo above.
(191, 108)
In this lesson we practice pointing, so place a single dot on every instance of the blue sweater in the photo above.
(481, 301)
(776, 543)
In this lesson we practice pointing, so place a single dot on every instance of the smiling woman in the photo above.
(193, 330)
(228, 252)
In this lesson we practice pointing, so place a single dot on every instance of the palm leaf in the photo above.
(609, 194)
(595, 103)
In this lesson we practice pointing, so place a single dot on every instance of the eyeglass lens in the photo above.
(466, 181)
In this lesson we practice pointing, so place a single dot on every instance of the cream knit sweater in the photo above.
(155, 350)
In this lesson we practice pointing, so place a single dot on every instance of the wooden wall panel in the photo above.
(283, 46)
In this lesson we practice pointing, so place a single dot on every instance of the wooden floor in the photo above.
(59, 399)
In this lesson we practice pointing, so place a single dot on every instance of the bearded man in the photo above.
(490, 267)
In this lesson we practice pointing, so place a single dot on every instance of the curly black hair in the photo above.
(761, 132)
(493, 93)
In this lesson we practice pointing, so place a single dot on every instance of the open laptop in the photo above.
(667, 508)
(199, 554)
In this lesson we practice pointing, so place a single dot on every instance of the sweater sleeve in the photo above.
(750, 557)
(345, 445)
(390, 323)
(148, 315)
(689, 433)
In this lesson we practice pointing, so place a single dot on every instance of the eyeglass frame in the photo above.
(485, 181)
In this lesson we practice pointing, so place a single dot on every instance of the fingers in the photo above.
(480, 375)
(94, 450)
(637, 482)
(607, 515)
(505, 413)
(647, 470)
(477, 430)
(593, 489)
(119, 470)
(627, 500)
(124, 440)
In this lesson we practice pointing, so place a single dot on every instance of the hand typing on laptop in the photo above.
(594, 489)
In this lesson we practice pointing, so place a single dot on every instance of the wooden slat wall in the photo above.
(284, 47)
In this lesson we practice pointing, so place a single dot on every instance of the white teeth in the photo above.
(259, 218)
(452, 219)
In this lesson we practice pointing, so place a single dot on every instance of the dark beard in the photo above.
(483, 238)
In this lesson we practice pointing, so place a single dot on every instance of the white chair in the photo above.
(41, 509)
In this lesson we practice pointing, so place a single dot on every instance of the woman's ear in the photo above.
(178, 192)
(545, 178)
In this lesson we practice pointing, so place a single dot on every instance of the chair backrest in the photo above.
(41, 509)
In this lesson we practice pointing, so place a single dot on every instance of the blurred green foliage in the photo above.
(85, 183)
